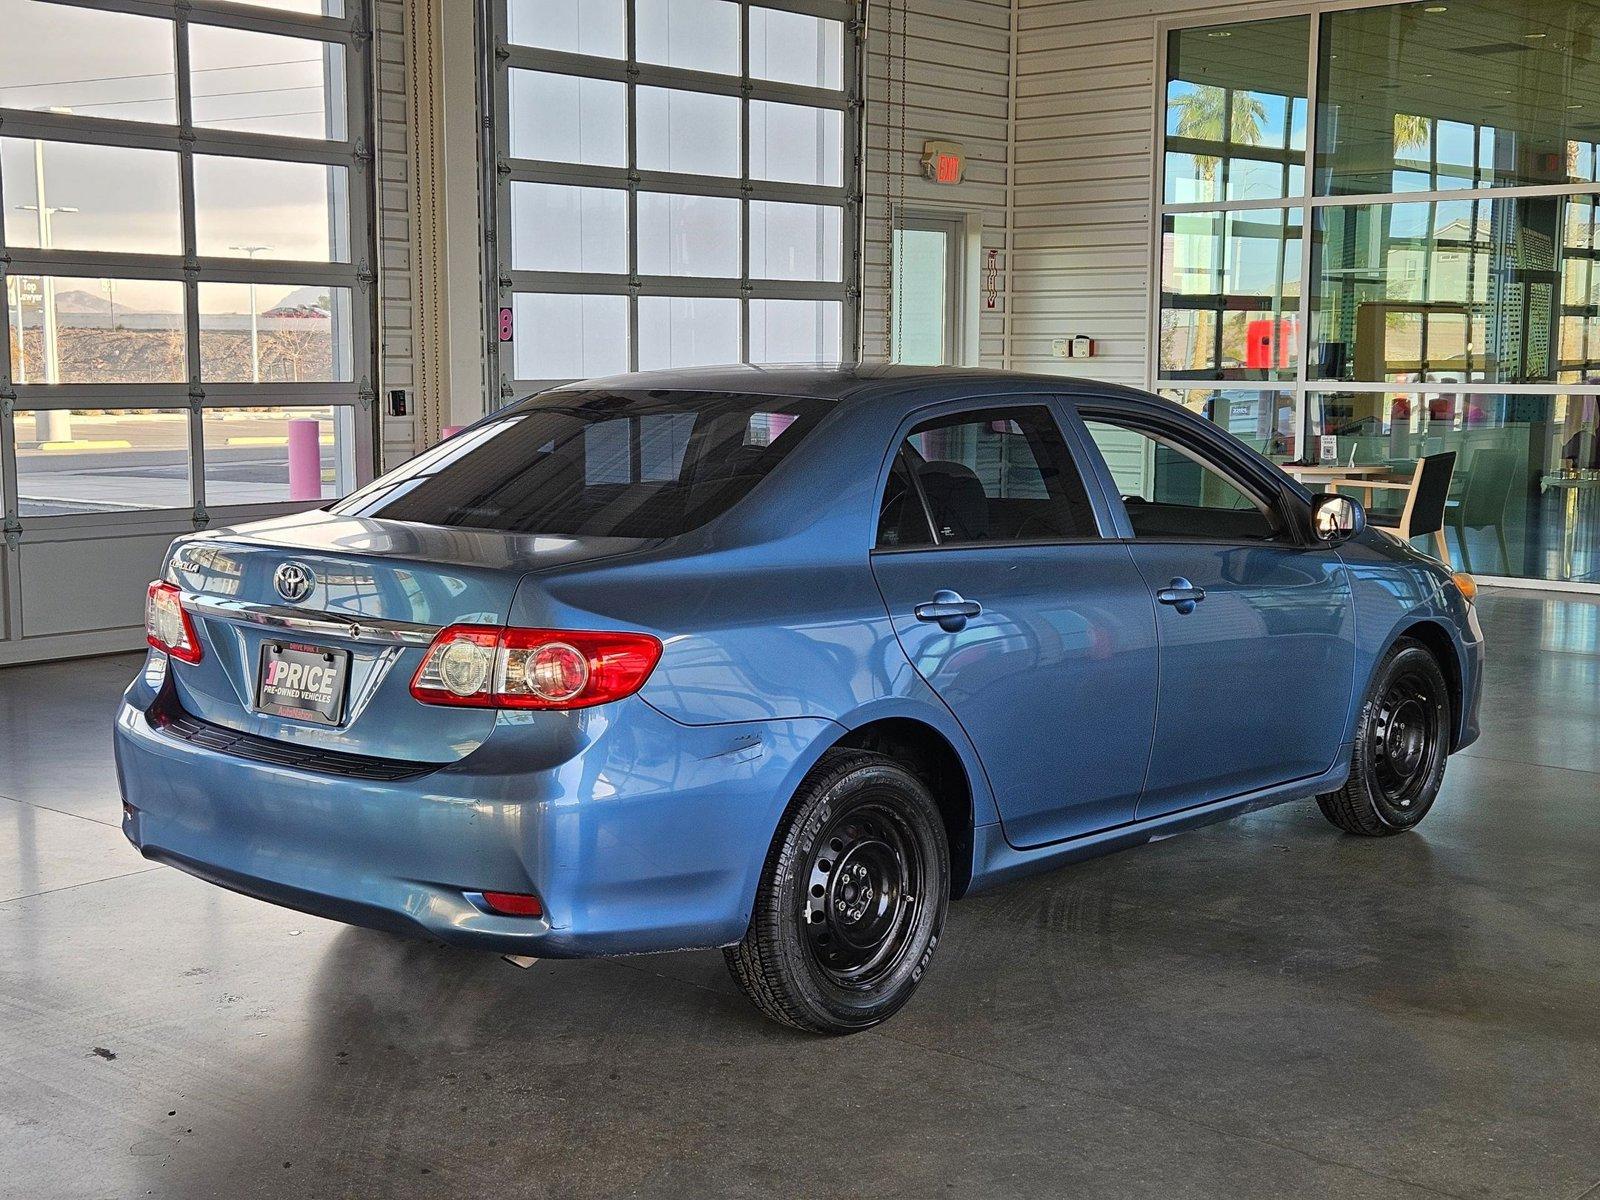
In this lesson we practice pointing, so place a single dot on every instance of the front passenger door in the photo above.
(1256, 630)
(1036, 632)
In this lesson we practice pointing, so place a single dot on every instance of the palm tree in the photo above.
(1204, 114)
(1411, 132)
(1200, 115)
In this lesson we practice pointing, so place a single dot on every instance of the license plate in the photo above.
(306, 683)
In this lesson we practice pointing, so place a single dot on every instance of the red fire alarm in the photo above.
(943, 162)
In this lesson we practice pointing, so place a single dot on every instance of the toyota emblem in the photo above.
(294, 581)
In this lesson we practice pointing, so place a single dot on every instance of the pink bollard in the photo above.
(305, 459)
(449, 431)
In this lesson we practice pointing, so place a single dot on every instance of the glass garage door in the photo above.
(674, 185)
(185, 246)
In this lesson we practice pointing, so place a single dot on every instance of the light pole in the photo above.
(255, 328)
(56, 423)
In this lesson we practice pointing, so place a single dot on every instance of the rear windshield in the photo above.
(602, 464)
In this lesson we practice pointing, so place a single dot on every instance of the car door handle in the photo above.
(949, 610)
(1182, 595)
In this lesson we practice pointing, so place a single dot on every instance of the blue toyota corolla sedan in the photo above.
(781, 661)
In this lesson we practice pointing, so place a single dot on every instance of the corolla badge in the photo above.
(294, 581)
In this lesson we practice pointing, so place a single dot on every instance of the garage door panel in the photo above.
(90, 583)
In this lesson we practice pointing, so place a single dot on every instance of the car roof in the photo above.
(851, 381)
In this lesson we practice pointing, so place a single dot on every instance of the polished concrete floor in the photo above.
(1261, 1009)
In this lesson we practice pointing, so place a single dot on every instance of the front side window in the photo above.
(599, 464)
(1171, 490)
(998, 475)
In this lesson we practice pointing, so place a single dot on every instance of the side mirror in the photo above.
(1336, 518)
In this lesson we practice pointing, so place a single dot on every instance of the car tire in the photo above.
(1402, 741)
(852, 898)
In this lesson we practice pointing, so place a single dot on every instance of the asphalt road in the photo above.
(150, 466)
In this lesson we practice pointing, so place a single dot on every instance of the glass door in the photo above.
(925, 308)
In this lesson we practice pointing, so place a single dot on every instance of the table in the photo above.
(1333, 471)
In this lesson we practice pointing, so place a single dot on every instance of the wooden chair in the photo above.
(1425, 496)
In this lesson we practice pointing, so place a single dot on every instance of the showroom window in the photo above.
(184, 241)
(1378, 242)
(675, 185)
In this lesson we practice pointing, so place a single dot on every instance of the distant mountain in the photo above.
(79, 301)
(306, 297)
(307, 303)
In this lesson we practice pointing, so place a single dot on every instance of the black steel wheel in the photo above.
(852, 898)
(863, 888)
(1402, 743)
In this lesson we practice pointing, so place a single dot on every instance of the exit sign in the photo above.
(943, 162)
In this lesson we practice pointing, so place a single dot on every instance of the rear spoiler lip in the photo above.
(455, 546)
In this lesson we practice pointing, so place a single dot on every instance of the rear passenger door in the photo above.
(1035, 631)
(1255, 624)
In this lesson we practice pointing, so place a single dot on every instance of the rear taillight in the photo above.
(487, 666)
(166, 624)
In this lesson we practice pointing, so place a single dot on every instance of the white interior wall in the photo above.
(430, 243)
(397, 266)
(956, 88)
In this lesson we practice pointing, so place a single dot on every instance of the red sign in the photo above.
(1269, 343)
(943, 162)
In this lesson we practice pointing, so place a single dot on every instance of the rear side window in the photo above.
(902, 518)
(996, 475)
(598, 464)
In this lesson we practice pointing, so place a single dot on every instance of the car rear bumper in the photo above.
(637, 833)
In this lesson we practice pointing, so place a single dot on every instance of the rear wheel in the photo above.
(852, 898)
(1402, 742)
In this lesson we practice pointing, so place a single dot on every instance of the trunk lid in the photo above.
(374, 594)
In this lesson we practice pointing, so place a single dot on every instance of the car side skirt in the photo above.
(996, 861)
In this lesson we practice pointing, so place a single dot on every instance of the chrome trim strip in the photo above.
(376, 631)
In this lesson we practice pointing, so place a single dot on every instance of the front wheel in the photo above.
(852, 898)
(1402, 741)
